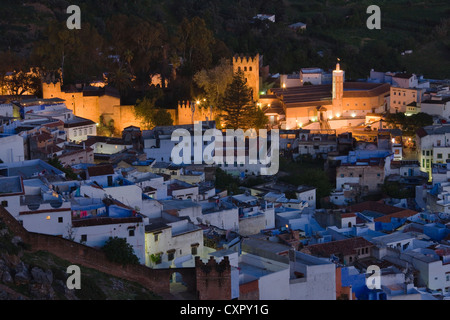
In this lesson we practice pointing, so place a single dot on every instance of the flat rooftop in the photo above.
(10, 186)
(394, 237)
(28, 169)
(178, 204)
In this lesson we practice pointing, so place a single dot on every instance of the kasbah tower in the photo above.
(188, 112)
(250, 66)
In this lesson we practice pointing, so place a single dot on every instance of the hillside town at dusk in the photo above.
(212, 150)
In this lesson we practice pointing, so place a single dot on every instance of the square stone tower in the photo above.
(250, 66)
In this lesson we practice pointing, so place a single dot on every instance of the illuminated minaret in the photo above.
(338, 89)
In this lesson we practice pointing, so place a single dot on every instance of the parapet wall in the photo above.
(157, 280)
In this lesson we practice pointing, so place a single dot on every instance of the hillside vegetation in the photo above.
(146, 37)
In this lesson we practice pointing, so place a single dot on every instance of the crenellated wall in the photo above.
(185, 110)
(213, 279)
(207, 281)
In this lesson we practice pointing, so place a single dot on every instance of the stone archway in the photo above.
(176, 283)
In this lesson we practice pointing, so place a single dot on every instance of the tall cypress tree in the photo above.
(237, 105)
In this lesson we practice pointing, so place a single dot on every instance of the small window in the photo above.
(170, 255)
(60, 219)
(83, 237)
(131, 232)
(4, 203)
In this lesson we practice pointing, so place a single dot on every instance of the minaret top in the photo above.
(338, 66)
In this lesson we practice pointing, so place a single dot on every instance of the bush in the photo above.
(120, 251)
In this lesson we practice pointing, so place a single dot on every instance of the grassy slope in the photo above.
(95, 285)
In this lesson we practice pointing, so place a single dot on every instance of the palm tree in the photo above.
(121, 80)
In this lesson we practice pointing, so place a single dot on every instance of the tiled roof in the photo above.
(100, 170)
(421, 132)
(43, 136)
(403, 75)
(344, 247)
(54, 124)
(401, 214)
(104, 221)
(348, 215)
(373, 206)
(322, 94)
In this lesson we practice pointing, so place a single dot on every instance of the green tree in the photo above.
(120, 251)
(307, 172)
(237, 104)
(162, 118)
(214, 82)
(195, 42)
(409, 124)
(55, 162)
(144, 110)
(260, 120)
(77, 53)
(150, 113)
(225, 181)
(396, 190)
(20, 82)
(121, 80)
